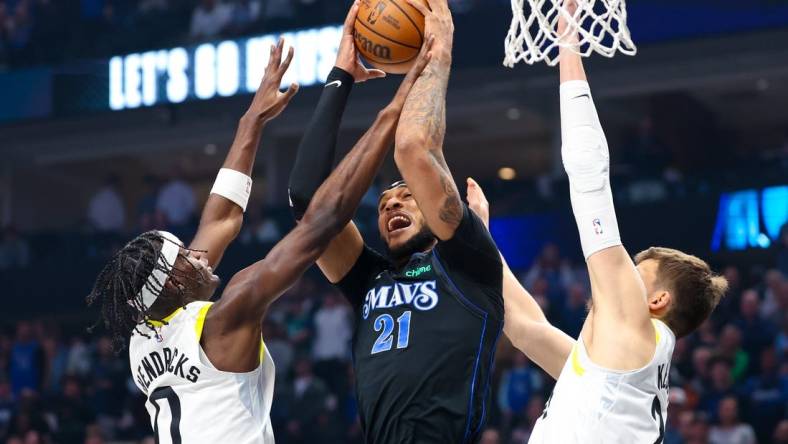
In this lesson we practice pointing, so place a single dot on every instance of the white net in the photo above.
(533, 37)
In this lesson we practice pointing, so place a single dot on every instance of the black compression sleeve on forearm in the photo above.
(315, 156)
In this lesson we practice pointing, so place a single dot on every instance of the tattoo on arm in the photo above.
(451, 209)
(425, 112)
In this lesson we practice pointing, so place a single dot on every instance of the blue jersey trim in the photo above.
(478, 352)
(489, 376)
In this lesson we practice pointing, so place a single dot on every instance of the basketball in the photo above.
(389, 34)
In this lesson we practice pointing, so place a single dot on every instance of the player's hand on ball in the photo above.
(410, 79)
(347, 55)
(268, 101)
(437, 22)
(477, 202)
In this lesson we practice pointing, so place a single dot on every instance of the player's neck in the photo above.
(403, 261)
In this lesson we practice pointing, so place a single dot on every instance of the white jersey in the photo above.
(591, 404)
(189, 400)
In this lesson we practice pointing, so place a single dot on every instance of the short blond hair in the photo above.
(695, 289)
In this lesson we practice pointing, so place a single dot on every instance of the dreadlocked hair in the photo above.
(118, 287)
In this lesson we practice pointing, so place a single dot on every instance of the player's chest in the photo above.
(416, 287)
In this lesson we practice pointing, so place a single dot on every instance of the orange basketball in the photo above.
(389, 34)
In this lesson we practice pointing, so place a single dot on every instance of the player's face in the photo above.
(204, 282)
(399, 218)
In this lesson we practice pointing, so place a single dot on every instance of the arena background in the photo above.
(113, 109)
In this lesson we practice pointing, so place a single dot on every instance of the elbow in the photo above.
(408, 150)
(326, 218)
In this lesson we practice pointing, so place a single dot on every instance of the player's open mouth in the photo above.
(397, 222)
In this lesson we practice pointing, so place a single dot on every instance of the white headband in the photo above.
(170, 247)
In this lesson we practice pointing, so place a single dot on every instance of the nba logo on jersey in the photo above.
(598, 226)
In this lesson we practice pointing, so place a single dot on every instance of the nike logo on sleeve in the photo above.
(336, 83)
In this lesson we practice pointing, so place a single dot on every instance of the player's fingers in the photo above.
(277, 55)
(376, 74)
(350, 19)
(291, 91)
(283, 67)
(420, 6)
(424, 56)
(270, 58)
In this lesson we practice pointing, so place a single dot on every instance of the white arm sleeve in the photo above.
(587, 163)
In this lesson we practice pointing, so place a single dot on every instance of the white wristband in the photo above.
(233, 185)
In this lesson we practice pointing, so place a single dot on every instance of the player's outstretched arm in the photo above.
(233, 324)
(524, 321)
(222, 215)
(419, 142)
(317, 150)
(622, 331)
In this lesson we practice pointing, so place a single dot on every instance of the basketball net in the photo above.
(601, 26)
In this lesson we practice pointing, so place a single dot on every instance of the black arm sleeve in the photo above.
(472, 251)
(315, 157)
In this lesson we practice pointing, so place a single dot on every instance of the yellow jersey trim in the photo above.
(576, 366)
(200, 322)
(166, 319)
(656, 329)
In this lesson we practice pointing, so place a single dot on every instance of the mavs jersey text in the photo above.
(185, 392)
(425, 337)
(591, 404)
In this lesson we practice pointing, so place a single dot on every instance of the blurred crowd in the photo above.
(51, 31)
(729, 380)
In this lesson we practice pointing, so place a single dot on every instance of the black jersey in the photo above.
(425, 338)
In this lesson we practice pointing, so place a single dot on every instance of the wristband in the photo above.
(233, 185)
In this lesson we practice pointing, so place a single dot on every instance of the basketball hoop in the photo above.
(601, 26)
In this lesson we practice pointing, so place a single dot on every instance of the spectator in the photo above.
(150, 217)
(701, 375)
(574, 314)
(757, 333)
(721, 385)
(490, 436)
(307, 398)
(279, 14)
(728, 307)
(518, 385)
(26, 360)
(771, 307)
(677, 401)
(72, 411)
(698, 430)
(106, 212)
(177, 201)
(6, 407)
(781, 432)
(245, 14)
(730, 348)
(278, 346)
(730, 429)
(14, 250)
(768, 395)
(331, 346)
(209, 19)
(548, 265)
(108, 376)
(56, 359)
(781, 342)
